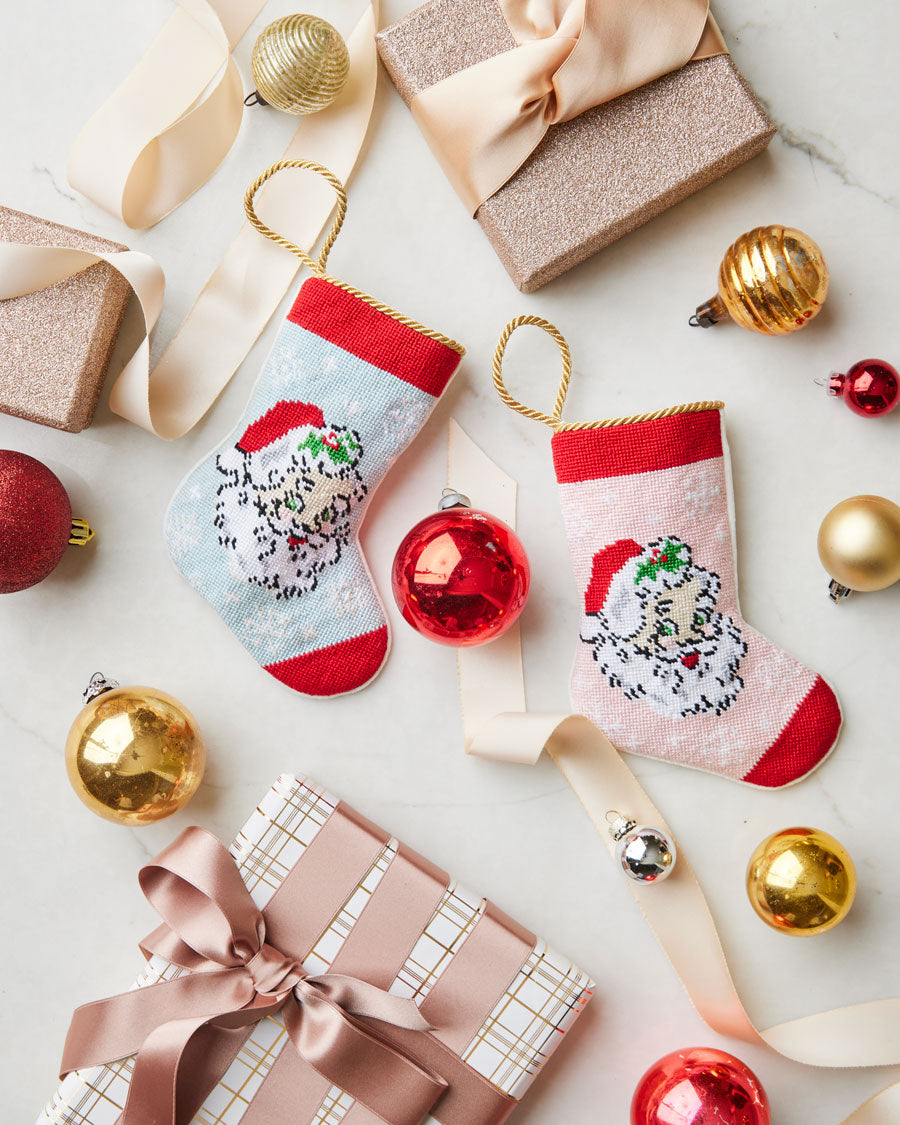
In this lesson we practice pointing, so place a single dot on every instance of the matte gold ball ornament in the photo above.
(134, 754)
(801, 882)
(772, 280)
(300, 64)
(859, 545)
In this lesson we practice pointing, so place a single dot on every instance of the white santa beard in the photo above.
(259, 544)
(666, 684)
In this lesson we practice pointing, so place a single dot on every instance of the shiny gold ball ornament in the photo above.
(300, 64)
(801, 882)
(859, 545)
(773, 280)
(134, 754)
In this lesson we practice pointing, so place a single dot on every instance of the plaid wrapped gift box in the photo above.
(526, 1018)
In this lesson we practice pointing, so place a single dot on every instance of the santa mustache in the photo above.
(687, 679)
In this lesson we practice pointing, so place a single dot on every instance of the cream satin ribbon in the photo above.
(496, 725)
(170, 124)
(238, 300)
(483, 122)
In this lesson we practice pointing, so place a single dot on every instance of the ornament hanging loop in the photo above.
(318, 265)
(553, 420)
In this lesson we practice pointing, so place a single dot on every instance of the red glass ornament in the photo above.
(35, 521)
(700, 1086)
(461, 577)
(871, 387)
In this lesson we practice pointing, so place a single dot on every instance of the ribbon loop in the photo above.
(196, 889)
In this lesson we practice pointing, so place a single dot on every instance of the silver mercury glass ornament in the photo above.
(646, 855)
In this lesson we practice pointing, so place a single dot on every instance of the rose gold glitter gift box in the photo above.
(600, 175)
(55, 344)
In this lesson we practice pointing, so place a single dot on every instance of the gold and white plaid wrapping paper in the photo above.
(510, 1048)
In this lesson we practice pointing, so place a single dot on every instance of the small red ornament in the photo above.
(700, 1086)
(871, 387)
(461, 577)
(36, 521)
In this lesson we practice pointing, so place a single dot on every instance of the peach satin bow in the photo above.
(185, 1031)
(485, 121)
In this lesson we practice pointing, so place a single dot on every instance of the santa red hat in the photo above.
(606, 565)
(278, 421)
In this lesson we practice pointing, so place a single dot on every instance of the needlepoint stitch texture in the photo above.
(266, 527)
(666, 665)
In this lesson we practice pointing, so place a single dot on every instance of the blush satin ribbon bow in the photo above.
(485, 121)
(183, 1030)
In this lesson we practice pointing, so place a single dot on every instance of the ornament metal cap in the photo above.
(619, 825)
(708, 314)
(98, 685)
(80, 533)
(450, 498)
(837, 592)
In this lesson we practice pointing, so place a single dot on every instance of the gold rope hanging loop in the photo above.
(554, 420)
(318, 266)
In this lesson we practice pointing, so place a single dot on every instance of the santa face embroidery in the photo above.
(651, 621)
(283, 510)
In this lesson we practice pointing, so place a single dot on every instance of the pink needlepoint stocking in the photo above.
(666, 665)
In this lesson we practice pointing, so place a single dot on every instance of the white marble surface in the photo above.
(73, 911)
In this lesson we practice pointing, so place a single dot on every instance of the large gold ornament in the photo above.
(134, 754)
(772, 280)
(801, 881)
(300, 64)
(859, 545)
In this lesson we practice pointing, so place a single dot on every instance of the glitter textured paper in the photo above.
(595, 178)
(55, 344)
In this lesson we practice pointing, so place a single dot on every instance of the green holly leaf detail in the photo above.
(668, 559)
(336, 453)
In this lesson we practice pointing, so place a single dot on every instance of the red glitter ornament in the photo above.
(871, 387)
(700, 1086)
(461, 577)
(35, 521)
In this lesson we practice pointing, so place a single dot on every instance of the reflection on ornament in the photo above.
(36, 522)
(646, 855)
(700, 1086)
(772, 280)
(801, 881)
(134, 754)
(461, 577)
(300, 64)
(859, 545)
(870, 387)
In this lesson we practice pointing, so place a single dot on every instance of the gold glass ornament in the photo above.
(300, 64)
(801, 882)
(859, 545)
(134, 754)
(772, 280)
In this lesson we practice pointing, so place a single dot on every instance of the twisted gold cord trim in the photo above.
(554, 420)
(317, 266)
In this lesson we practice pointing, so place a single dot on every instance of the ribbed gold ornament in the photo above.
(772, 280)
(300, 64)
